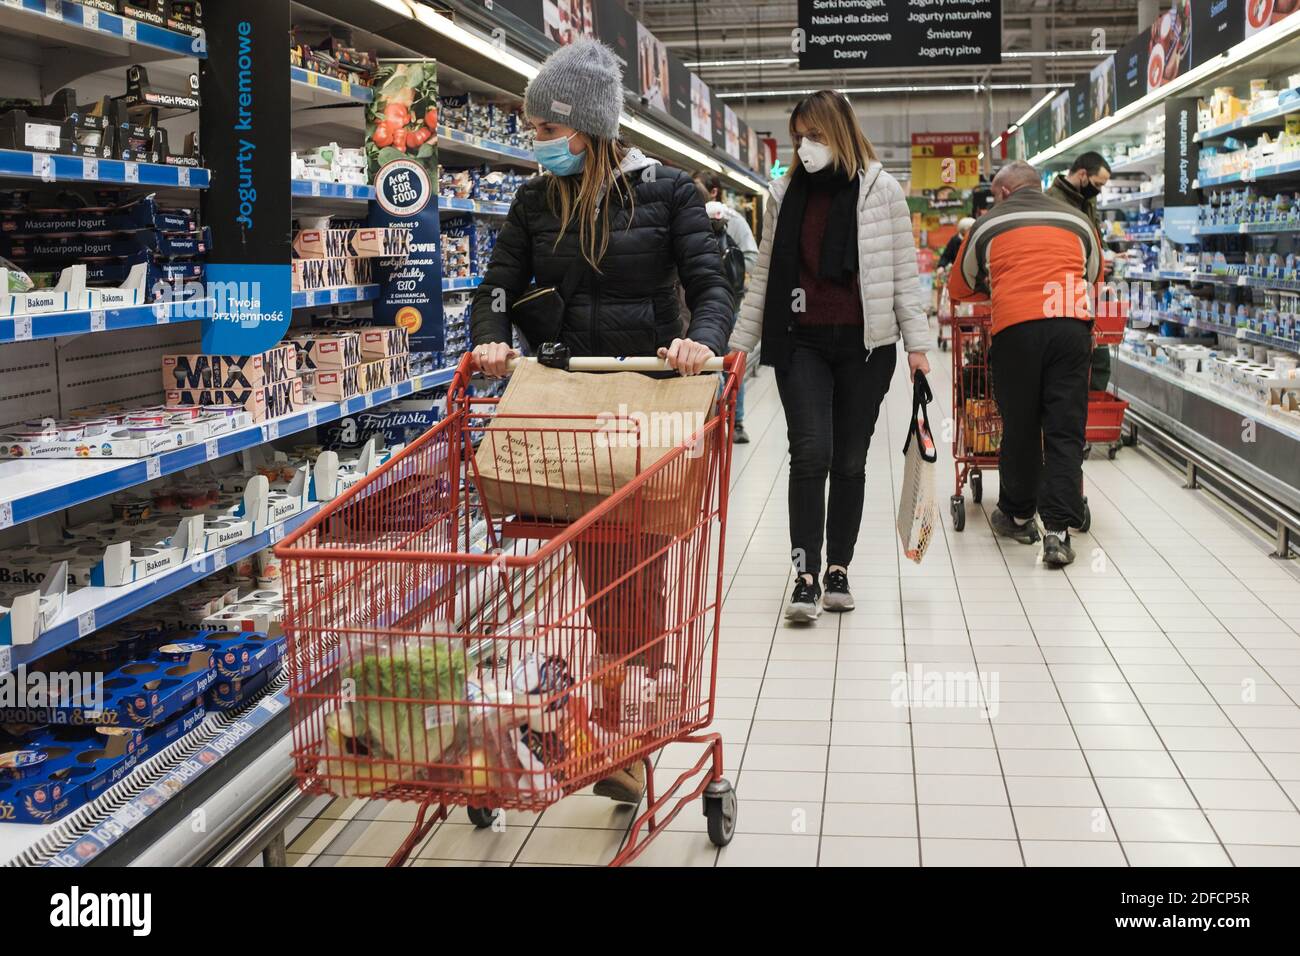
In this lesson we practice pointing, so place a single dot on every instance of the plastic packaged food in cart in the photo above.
(407, 705)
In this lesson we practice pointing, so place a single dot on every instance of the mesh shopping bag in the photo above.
(916, 510)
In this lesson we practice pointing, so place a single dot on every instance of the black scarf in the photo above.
(839, 251)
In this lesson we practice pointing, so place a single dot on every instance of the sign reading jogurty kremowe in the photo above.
(246, 145)
(853, 34)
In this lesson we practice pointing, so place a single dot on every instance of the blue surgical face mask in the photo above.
(554, 155)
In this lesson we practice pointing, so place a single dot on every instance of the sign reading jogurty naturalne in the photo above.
(849, 34)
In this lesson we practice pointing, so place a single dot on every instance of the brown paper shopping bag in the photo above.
(586, 435)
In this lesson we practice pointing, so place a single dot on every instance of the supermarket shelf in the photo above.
(88, 609)
(339, 296)
(1141, 163)
(88, 29)
(1139, 276)
(478, 207)
(48, 325)
(1254, 121)
(467, 144)
(1136, 237)
(1209, 420)
(55, 167)
(33, 487)
(1131, 199)
(1251, 175)
(310, 85)
(1220, 328)
(313, 189)
(462, 284)
(1214, 278)
(1247, 228)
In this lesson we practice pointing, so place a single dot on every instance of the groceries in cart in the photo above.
(422, 710)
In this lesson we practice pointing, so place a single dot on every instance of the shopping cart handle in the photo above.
(559, 357)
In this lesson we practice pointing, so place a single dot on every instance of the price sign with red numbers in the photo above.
(945, 159)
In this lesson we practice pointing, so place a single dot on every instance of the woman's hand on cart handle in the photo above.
(686, 357)
(917, 361)
(493, 358)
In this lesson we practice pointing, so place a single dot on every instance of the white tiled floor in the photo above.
(1141, 706)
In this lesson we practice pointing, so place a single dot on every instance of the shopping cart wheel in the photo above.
(720, 808)
(977, 486)
(958, 508)
(1087, 517)
(1087, 451)
(481, 817)
(1112, 451)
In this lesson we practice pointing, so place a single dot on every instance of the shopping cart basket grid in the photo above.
(427, 671)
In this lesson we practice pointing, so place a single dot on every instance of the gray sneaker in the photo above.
(1056, 549)
(1006, 526)
(805, 602)
(836, 596)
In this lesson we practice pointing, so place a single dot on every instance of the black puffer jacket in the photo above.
(630, 308)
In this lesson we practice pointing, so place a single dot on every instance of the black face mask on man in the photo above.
(1087, 189)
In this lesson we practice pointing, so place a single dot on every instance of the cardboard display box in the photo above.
(334, 350)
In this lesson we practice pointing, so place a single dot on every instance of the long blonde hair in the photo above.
(833, 115)
(581, 197)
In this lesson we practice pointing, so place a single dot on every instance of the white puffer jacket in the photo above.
(891, 295)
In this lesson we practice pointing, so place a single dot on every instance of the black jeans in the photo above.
(832, 392)
(1040, 380)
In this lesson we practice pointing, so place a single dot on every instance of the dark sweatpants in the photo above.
(1040, 379)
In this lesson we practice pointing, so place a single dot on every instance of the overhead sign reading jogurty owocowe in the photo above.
(854, 34)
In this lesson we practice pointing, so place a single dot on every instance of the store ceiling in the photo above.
(749, 30)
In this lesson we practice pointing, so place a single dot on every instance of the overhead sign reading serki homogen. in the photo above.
(862, 34)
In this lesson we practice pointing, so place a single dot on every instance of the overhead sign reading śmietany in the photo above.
(862, 34)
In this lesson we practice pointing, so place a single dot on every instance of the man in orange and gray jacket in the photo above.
(1037, 260)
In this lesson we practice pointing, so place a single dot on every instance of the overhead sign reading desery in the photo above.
(852, 34)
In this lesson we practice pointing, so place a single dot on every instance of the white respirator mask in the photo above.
(815, 156)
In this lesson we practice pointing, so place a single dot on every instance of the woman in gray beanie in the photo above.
(609, 232)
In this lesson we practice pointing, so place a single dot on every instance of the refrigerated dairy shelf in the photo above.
(86, 610)
(1221, 328)
(1210, 420)
(88, 28)
(339, 296)
(48, 325)
(56, 167)
(171, 781)
(1129, 199)
(467, 144)
(315, 189)
(478, 207)
(1272, 171)
(1257, 120)
(307, 83)
(31, 488)
(1247, 228)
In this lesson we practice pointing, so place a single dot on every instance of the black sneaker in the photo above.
(1006, 526)
(805, 601)
(836, 597)
(1056, 549)
(739, 435)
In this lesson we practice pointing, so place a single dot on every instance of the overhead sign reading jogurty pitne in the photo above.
(840, 34)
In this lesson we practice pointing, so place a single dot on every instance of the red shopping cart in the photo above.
(977, 427)
(1106, 411)
(444, 654)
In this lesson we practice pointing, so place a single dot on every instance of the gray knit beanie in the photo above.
(579, 85)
